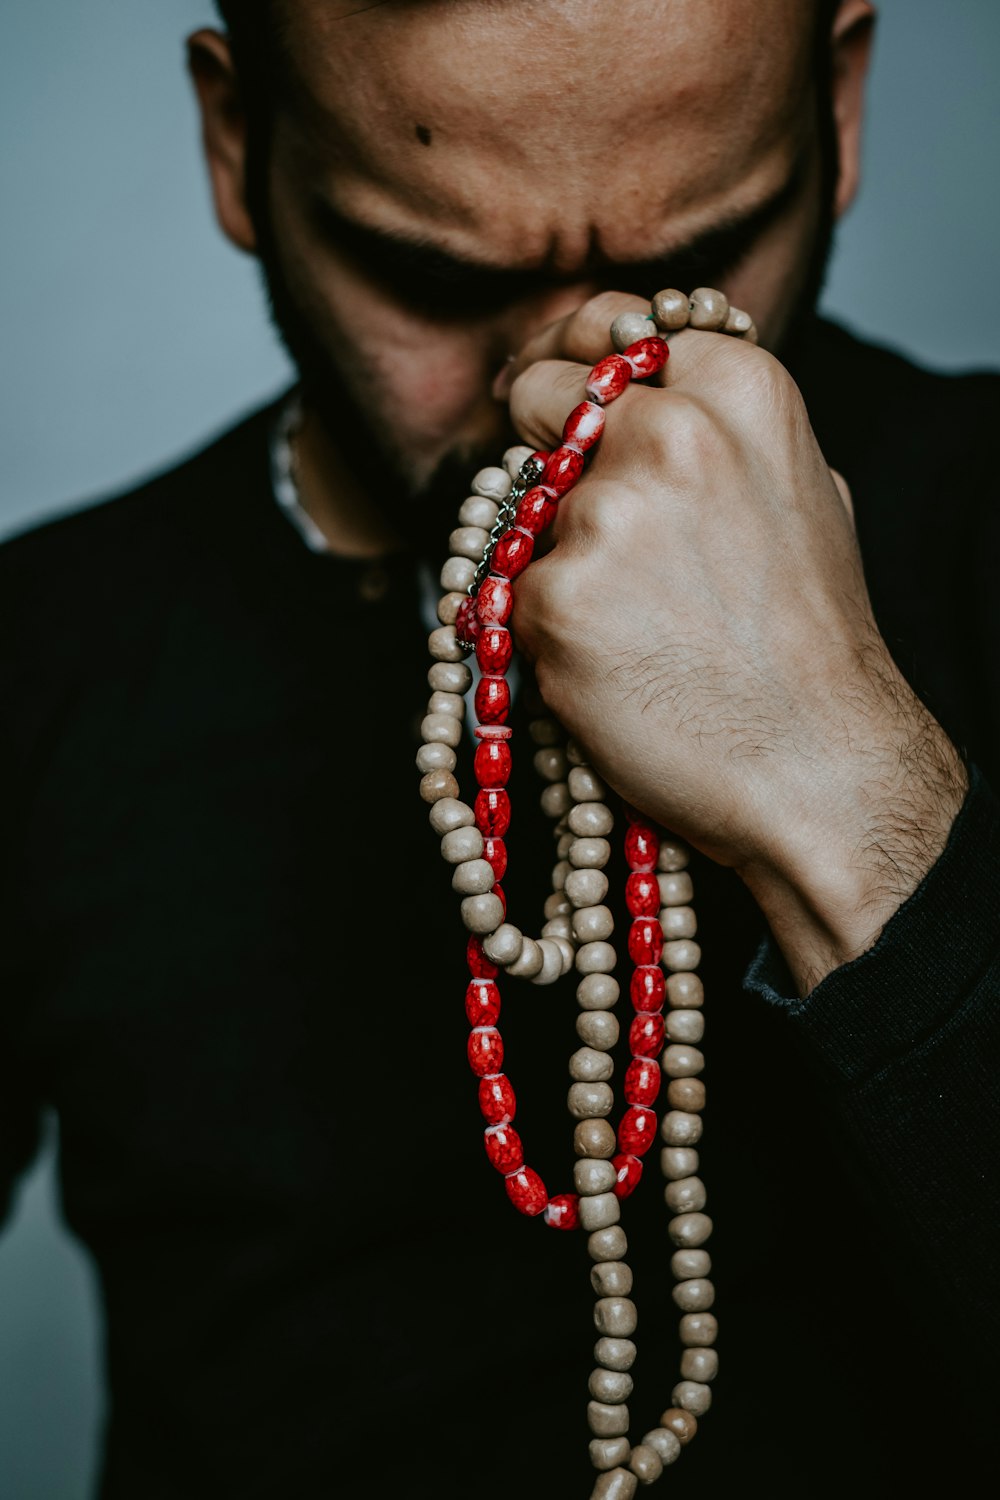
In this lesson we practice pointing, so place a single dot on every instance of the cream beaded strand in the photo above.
(498, 522)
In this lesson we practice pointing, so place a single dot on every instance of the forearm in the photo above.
(904, 1040)
(881, 814)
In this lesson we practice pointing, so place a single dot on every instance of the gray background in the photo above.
(131, 332)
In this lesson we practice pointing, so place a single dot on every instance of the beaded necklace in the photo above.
(509, 508)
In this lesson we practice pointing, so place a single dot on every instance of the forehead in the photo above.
(548, 122)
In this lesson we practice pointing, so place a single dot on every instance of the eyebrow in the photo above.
(420, 268)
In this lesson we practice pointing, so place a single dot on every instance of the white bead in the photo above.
(595, 958)
(559, 873)
(593, 924)
(589, 854)
(468, 541)
(555, 799)
(564, 844)
(449, 677)
(684, 1025)
(447, 703)
(681, 1060)
(551, 764)
(678, 922)
(529, 962)
(599, 1212)
(567, 952)
(681, 955)
(504, 946)
(673, 855)
(434, 756)
(593, 1175)
(598, 1028)
(462, 844)
(442, 729)
(458, 573)
(589, 1065)
(598, 991)
(482, 914)
(586, 786)
(591, 819)
(675, 889)
(585, 887)
(552, 967)
(473, 877)
(589, 1100)
(449, 605)
(558, 927)
(515, 458)
(692, 1396)
(493, 482)
(479, 512)
(443, 646)
(666, 1444)
(450, 813)
(556, 904)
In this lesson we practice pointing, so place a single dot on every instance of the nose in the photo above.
(547, 307)
(523, 321)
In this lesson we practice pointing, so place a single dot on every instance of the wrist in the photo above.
(833, 876)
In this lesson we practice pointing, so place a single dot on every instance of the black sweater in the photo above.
(232, 963)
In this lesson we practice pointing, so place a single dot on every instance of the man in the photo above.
(235, 966)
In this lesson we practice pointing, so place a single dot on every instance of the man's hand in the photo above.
(702, 627)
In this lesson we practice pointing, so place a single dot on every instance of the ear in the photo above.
(223, 133)
(850, 53)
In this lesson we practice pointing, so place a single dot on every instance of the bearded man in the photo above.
(234, 963)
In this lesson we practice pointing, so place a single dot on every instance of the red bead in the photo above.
(495, 854)
(492, 699)
(496, 1099)
(648, 988)
(501, 896)
(492, 810)
(608, 378)
(492, 763)
(642, 1081)
(563, 1211)
(503, 1147)
(482, 1002)
(637, 1130)
(641, 848)
(536, 510)
(485, 1050)
(645, 1037)
(494, 601)
(526, 1191)
(479, 965)
(564, 467)
(494, 649)
(629, 1170)
(466, 621)
(642, 894)
(645, 941)
(583, 426)
(647, 356)
(512, 553)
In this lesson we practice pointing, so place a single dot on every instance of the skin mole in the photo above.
(423, 135)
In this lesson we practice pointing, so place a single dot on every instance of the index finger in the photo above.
(582, 336)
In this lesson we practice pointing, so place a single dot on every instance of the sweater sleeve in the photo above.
(905, 1040)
